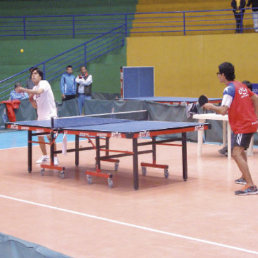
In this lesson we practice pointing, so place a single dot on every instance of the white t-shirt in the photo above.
(46, 106)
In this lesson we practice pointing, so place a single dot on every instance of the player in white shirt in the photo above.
(42, 98)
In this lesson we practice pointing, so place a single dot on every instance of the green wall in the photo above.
(105, 70)
(61, 7)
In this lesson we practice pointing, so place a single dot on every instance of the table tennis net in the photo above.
(99, 119)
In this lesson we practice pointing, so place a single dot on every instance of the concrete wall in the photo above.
(187, 65)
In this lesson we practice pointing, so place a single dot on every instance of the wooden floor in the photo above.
(164, 218)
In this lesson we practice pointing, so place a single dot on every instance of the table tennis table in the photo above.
(97, 129)
(173, 100)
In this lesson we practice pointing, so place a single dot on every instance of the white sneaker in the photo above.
(43, 159)
(56, 162)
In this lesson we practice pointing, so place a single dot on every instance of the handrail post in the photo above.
(85, 56)
(24, 27)
(126, 27)
(44, 71)
(184, 23)
(73, 27)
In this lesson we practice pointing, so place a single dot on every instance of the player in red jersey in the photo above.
(241, 104)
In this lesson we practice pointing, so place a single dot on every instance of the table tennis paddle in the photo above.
(202, 100)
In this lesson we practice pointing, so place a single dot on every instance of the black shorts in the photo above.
(242, 140)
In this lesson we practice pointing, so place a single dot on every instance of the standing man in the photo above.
(42, 98)
(84, 85)
(241, 104)
(68, 84)
(238, 10)
(254, 4)
(29, 82)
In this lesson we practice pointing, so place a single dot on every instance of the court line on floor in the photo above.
(129, 225)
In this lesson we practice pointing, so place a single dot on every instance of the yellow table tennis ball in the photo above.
(21, 50)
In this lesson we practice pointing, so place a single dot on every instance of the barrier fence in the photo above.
(90, 25)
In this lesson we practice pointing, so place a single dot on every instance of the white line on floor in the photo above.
(130, 225)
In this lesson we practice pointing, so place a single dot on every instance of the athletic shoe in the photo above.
(56, 162)
(240, 181)
(224, 151)
(43, 159)
(247, 190)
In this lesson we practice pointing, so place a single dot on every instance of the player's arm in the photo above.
(88, 81)
(62, 86)
(254, 99)
(32, 101)
(29, 91)
(228, 96)
(222, 110)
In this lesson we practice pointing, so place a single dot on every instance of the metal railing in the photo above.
(76, 56)
(177, 22)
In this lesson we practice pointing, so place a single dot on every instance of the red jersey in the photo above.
(241, 114)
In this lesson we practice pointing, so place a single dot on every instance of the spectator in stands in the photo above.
(238, 9)
(84, 84)
(68, 84)
(17, 95)
(29, 82)
(254, 4)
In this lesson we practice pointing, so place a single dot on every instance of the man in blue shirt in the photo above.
(16, 95)
(68, 84)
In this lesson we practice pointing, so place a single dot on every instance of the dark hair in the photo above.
(38, 71)
(248, 84)
(31, 68)
(17, 84)
(228, 70)
(68, 66)
(83, 66)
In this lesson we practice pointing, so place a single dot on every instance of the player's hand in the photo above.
(208, 106)
(63, 96)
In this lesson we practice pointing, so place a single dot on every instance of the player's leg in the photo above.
(241, 143)
(241, 160)
(42, 146)
(56, 162)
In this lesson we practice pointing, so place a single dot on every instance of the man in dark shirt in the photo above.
(238, 10)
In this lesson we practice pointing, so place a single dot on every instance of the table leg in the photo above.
(135, 164)
(77, 145)
(200, 139)
(224, 133)
(98, 153)
(229, 140)
(184, 156)
(29, 151)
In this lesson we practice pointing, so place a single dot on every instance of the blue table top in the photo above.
(172, 99)
(83, 123)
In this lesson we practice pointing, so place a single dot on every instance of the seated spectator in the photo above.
(68, 84)
(16, 95)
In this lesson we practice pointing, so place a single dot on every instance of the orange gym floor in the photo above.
(164, 218)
